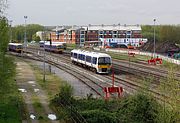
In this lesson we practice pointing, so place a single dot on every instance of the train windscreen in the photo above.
(104, 61)
(19, 47)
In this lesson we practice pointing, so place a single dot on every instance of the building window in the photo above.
(82, 32)
(82, 36)
(82, 40)
(128, 36)
(100, 32)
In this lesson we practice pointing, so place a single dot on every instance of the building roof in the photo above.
(114, 27)
(60, 28)
(98, 27)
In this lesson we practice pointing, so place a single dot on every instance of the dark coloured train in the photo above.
(15, 47)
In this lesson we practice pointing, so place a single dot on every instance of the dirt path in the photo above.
(31, 91)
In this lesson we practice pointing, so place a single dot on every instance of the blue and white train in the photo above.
(97, 62)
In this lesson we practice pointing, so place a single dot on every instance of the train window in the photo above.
(88, 59)
(79, 56)
(83, 57)
(75, 55)
(94, 61)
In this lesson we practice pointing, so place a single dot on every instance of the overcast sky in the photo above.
(83, 12)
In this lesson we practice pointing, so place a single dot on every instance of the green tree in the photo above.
(148, 32)
(163, 33)
(170, 33)
(31, 29)
(4, 34)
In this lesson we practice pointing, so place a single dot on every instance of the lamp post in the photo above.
(154, 38)
(10, 22)
(25, 34)
(44, 71)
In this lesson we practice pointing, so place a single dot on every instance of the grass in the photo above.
(52, 82)
(11, 103)
(168, 66)
(51, 86)
(42, 117)
(9, 113)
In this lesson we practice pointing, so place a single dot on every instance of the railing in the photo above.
(166, 58)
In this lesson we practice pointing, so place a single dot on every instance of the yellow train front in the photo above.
(15, 47)
(54, 47)
(57, 48)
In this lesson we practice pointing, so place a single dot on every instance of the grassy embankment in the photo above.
(11, 102)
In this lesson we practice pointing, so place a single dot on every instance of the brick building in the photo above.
(91, 33)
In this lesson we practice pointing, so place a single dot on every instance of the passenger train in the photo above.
(15, 47)
(97, 62)
(54, 47)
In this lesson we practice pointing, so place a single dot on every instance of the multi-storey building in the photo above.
(58, 34)
(94, 33)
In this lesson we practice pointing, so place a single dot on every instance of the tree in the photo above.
(163, 33)
(4, 34)
(3, 6)
(4, 39)
(31, 29)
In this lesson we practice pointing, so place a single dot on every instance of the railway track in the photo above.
(83, 75)
(131, 86)
(139, 69)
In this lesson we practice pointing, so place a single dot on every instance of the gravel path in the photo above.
(27, 85)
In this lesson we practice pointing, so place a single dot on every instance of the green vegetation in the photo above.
(170, 87)
(138, 108)
(39, 110)
(71, 46)
(52, 83)
(10, 101)
(164, 33)
(167, 65)
(31, 29)
(148, 32)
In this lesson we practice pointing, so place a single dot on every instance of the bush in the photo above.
(138, 108)
(64, 96)
(98, 116)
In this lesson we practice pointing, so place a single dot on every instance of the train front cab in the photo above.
(19, 48)
(59, 49)
(104, 65)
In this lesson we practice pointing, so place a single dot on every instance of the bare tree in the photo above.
(3, 6)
